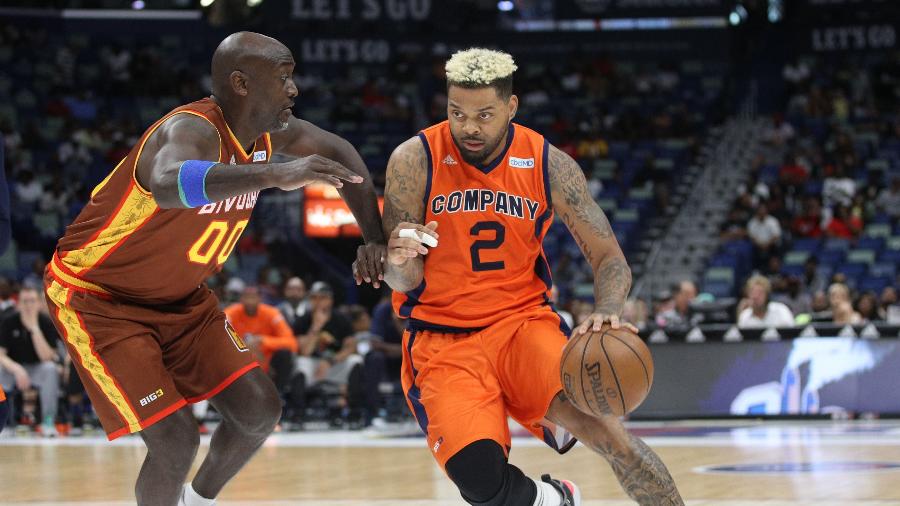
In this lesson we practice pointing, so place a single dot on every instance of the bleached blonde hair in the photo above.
(479, 67)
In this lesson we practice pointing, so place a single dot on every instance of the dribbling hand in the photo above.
(596, 320)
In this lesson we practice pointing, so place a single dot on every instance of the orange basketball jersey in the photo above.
(492, 220)
(124, 245)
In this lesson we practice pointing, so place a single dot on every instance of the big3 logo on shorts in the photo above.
(152, 397)
(235, 338)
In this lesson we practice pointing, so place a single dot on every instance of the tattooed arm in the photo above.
(591, 230)
(404, 207)
(638, 468)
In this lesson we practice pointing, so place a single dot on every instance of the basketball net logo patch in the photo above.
(235, 338)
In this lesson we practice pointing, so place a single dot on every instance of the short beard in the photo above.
(479, 158)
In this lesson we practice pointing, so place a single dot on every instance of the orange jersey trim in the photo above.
(153, 129)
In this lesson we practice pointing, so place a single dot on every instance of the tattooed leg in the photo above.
(640, 471)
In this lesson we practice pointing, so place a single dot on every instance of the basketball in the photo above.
(605, 372)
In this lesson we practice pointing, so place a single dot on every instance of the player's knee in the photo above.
(477, 470)
(174, 440)
(261, 413)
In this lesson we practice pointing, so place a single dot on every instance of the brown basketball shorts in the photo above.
(140, 364)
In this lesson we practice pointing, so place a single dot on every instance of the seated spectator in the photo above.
(838, 188)
(765, 232)
(887, 305)
(294, 304)
(261, 327)
(779, 132)
(761, 311)
(812, 280)
(845, 315)
(888, 200)
(773, 273)
(792, 173)
(843, 225)
(28, 189)
(809, 223)
(797, 300)
(327, 347)
(28, 357)
(680, 314)
(821, 309)
(735, 227)
(867, 307)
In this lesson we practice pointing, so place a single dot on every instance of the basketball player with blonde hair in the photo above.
(482, 340)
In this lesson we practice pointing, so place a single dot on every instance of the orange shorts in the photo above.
(140, 364)
(462, 387)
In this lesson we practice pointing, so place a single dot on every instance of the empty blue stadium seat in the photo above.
(879, 269)
(874, 284)
(853, 270)
(830, 257)
(718, 289)
(873, 243)
(807, 244)
(836, 244)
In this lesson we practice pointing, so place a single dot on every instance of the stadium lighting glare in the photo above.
(253, 3)
(734, 18)
(505, 5)
(206, 3)
(137, 5)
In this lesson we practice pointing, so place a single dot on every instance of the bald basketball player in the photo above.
(482, 341)
(126, 283)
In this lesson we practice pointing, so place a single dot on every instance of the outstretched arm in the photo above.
(302, 138)
(404, 207)
(591, 230)
(178, 165)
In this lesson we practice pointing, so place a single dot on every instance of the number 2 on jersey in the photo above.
(483, 244)
(210, 242)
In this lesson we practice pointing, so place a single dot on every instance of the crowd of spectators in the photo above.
(821, 212)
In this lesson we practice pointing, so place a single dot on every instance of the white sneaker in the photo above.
(569, 490)
(49, 430)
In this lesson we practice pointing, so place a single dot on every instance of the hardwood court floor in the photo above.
(821, 463)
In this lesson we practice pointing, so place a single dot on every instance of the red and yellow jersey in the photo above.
(124, 245)
(492, 220)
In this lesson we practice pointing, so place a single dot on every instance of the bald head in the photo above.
(245, 52)
(252, 80)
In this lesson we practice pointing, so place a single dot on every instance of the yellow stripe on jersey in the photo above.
(66, 278)
(78, 338)
(137, 208)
